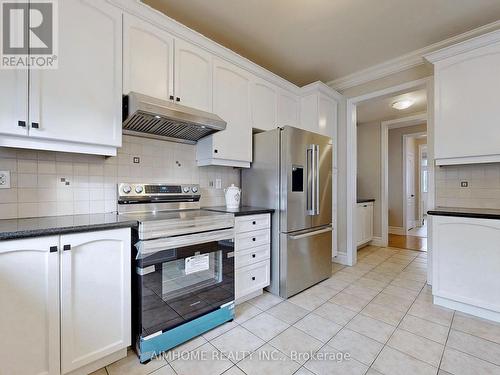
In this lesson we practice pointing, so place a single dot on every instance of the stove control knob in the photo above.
(139, 189)
(185, 189)
(126, 189)
(194, 189)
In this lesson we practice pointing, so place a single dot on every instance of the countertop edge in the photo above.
(472, 215)
(20, 234)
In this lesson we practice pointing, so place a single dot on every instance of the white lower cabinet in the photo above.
(252, 255)
(64, 302)
(364, 222)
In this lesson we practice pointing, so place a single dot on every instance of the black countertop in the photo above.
(361, 200)
(52, 225)
(477, 213)
(241, 211)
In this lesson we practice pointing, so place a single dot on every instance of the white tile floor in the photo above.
(380, 312)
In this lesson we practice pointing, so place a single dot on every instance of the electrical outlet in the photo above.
(218, 183)
(464, 184)
(4, 179)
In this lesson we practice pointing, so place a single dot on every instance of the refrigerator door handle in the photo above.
(317, 179)
(311, 182)
(309, 234)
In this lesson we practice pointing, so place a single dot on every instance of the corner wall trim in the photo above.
(377, 241)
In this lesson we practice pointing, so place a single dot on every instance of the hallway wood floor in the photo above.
(408, 242)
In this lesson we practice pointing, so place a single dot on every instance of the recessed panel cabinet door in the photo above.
(29, 306)
(288, 109)
(148, 59)
(80, 101)
(95, 296)
(13, 102)
(193, 76)
(264, 102)
(232, 103)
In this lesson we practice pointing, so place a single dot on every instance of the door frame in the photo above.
(385, 126)
(406, 224)
(351, 168)
(421, 149)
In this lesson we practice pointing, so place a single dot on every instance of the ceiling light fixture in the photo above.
(402, 104)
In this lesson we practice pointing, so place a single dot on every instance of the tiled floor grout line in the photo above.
(446, 342)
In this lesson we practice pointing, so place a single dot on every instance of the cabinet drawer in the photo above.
(253, 222)
(252, 239)
(251, 256)
(251, 278)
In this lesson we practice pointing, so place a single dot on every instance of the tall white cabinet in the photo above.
(466, 89)
(64, 302)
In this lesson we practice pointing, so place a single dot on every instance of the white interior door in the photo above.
(410, 191)
(29, 306)
(95, 296)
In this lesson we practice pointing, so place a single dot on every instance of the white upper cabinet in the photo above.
(29, 306)
(14, 102)
(80, 101)
(264, 102)
(148, 59)
(467, 106)
(193, 76)
(231, 101)
(94, 325)
(318, 113)
(288, 109)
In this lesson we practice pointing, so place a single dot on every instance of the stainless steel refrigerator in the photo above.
(292, 173)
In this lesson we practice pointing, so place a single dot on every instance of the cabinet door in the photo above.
(80, 101)
(29, 306)
(367, 222)
(467, 105)
(193, 76)
(232, 103)
(288, 109)
(14, 102)
(148, 59)
(264, 102)
(95, 296)
(360, 224)
(327, 115)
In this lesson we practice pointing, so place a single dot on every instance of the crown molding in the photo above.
(407, 61)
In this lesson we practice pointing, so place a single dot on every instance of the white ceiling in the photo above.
(380, 109)
(308, 40)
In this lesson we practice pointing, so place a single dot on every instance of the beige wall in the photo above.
(369, 166)
(37, 189)
(396, 172)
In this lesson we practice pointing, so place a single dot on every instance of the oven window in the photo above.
(179, 278)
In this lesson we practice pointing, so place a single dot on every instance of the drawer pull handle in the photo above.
(254, 222)
(66, 247)
(254, 239)
(53, 249)
(253, 278)
(253, 255)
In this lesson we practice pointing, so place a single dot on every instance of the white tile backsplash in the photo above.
(483, 190)
(38, 178)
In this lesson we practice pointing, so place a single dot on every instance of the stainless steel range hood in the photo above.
(150, 117)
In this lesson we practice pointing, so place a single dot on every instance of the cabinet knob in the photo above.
(35, 125)
(53, 249)
(171, 97)
(254, 222)
(254, 239)
(216, 151)
(253, 278)
(66, 247)
(253, 255)
(177, 99)
(22, 124)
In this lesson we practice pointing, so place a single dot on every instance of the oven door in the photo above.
(181, 278)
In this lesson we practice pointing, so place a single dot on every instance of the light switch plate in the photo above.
(4, 179)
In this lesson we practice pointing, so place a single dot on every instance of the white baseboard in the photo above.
(468, 309)
(376, 241)
(397, 230)
(341, 259)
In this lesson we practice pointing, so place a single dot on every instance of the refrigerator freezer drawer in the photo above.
(306, 259)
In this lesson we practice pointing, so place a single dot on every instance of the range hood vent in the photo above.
(150, 117)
